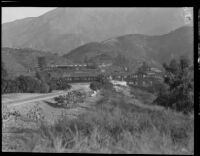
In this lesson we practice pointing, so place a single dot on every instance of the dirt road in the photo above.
(41, 97)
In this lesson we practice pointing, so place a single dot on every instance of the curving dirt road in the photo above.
(41, 97)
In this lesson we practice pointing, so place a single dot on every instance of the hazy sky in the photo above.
(14, 13)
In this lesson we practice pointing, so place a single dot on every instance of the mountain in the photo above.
(20, 61)
(136, 47)
(64, 29)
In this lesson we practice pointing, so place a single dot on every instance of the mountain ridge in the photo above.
(86, 25)
(136, 46)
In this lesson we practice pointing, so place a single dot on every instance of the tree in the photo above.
(172, 67)
(58, 84)
(3, 78)
(42, 62)
(29, 84)
(43, 76)
(144, 67)
(105, 83)
(179, 95)
(3, 71)
(121, 61)
(45, 88)
(85, 60)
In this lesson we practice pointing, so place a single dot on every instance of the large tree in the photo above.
(180, 81)
(4, 73)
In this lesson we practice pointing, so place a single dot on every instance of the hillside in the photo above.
(64, 29)
(154, 49)
(110, 122)
(19, 61)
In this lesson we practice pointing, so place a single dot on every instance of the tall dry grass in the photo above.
(115, 126)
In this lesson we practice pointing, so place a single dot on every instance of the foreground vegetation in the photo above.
(177, 91)
(112, 126)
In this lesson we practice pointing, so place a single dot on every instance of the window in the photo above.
(77, 78)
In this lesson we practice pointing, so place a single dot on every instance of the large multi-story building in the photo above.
(145, 77)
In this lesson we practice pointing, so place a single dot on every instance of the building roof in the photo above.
(119, 73)
(156, 70)
(70, 65)
(83, 74)
(150, 73)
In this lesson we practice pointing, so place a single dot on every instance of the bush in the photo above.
(68, 100)
(44, 88)
(101, 83)
(29, 84)
(95, 85)
(157, 87)
(10, 86)
(24, 84)
(59, 84)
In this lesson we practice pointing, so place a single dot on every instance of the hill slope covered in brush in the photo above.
(64, 29)
(19, 61)
(156, 49)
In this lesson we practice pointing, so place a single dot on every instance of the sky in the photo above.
(13, 13)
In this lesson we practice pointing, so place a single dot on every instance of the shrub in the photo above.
(24, 84)
(44, 88)
(59, 84)
(101, 83)
(95, 85)
(10, 86)
(29, 84)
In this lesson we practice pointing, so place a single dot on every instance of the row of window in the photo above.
(133, 76)
(136, 76)
(80, 78)
(142, 83)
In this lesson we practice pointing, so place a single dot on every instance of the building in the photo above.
(145, 77)
(119, 76)
(81, 77)
(71, 67)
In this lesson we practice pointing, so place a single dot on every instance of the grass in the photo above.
(113, 126)
(143, 95)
